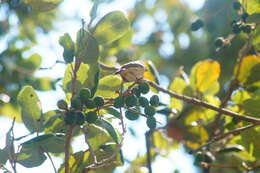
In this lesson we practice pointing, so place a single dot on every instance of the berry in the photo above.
(76, 103)
(69, 118)
(131, 115)
(62, 104)
(149, 110)
(143, 101)
(244, 16)
(154, 100)
(84, 94)
(197, 25)
(119, 102)
(236, 28)
(67, 58)
(144, 88)
(90, 104)
(136, 92)
(246, 29)
(79, 118)
(91, 117)
(236, 5)
(219, 42)
(151, 122)
(131, 101)
(99, 101)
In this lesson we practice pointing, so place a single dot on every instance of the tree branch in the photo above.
(204, 104)
(148, 150)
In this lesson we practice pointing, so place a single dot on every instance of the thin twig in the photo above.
(4, 168)
(204, 104)
(52, 163)
(148, 151)
(144, 115)
(89, 145)
(219, 137)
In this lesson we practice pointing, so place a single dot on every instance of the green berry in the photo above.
(69, 118)
(91, 117)
(149, 110)
(131, 115)
(99, 101)
(197, 25)
(144, 88)
(84, 94)
(136, 92)
(67, 57)
(246, 29)
(76, 103)
(131, 100)
(143, 101)
(62, 104)
(236, 5)
(119, 102)
(151, 122)
(79, 118)
(90, 104)
(154, 100)
(219, 42)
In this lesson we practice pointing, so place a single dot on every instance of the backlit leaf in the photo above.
(108, 85)
(177, 85)
(30, 109)
(43, 5)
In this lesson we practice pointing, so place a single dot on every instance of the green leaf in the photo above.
(68, 46)
(3, 156)
(204, 77)
(151, 72)
(81, 77)
(93, 12)
(251, 106)
(250, 140)
(97, 136)
(43, 83)
(43, 5)
(111, 27)
(246, 68)
(251, 6)
(108, 85)
(256, 38)
(30, 157)
(48, 143)
(177, 85)
(54, 122)
(32, 63)
(254, 18)
(113, 112)
(232, 148)
(30, 108)
(109, 128)
(239, 96)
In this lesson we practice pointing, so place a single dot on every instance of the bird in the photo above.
(132, 71)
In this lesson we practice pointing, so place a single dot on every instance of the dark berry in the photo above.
(236, 28)
(143, 101)
(136, 92)
(131, 100)
(84, 94)
(76, 103)
(151, 122)
(149, 110)
(79, 118)
(99, 101)
(197, 25)
(131, 115)
(70, 118)
(154, 100)
(144, 88)
(236, 5)
(91, 117)
(219, 42)
(244, 16)
(62, 104)
(90, 104)
(246, 29)
(119, 102)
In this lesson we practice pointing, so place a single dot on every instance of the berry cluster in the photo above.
(84, 108)
(134, 98)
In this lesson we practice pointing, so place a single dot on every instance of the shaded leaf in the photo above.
(68, 45)
(113, 112)
(43, 83)
(30, 109)
(32, 63)
(3, 156)
(251, 106)
(109, 128)
(254, 18)
(111, 27)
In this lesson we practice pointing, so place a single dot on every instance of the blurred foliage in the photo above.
(192, 62)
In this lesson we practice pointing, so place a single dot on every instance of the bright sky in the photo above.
(50, 50)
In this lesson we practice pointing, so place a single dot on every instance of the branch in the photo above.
(219, 137)
(89, 146)
(148, 150)
(67, 148)
(204, 104)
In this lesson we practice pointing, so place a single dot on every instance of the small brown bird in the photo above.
(132, 71)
